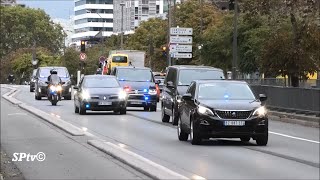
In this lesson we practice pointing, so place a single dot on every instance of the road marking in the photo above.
(17, 114)
(302, 139)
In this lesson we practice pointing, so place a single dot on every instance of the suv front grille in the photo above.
(234, 114)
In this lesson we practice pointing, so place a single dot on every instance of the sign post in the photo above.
(181, 43)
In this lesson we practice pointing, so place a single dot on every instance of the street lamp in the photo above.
(121, 41)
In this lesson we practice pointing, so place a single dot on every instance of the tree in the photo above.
(21, 27)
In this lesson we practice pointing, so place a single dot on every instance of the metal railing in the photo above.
(310, 83)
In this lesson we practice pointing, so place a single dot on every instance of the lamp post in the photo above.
(121, 40)
(235, 43)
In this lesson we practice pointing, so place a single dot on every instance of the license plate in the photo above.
(136, 102)
(234, 123)
(105, 103)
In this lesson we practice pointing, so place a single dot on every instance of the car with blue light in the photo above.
(41, 87)
(140, 86)
(222, 109)
(99, 93)
(176, 83)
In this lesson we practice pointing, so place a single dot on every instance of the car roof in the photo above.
(99, 75)
(194, 67)
(131, 67)
(220, 81)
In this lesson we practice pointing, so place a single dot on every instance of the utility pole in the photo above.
(168, 35)
(235, 42)
(121, 40)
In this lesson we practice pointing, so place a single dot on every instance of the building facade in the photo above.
(101, 18)
(10, 3)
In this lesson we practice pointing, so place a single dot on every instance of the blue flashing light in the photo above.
(145, 90)
(146, 98)
(121, 79)
(87, 106)
(226, 96)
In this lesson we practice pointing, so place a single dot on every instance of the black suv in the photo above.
(140, 85)
(41, 85)
(176, 84)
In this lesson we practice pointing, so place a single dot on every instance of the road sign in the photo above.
(182, 55)
(181, 31)
(102, 59)
(180, 48)
(83, 56)
(181, 39)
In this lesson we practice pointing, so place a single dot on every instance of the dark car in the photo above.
(176, 84)
(42, 76)
(222, 109)
(140, 85)
(99, 93)
(33, 80)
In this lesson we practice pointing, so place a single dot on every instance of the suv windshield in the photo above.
(100, 82)
(186, 76)
(62, 72)
(222, 91)
(134, 75)
(119, 59)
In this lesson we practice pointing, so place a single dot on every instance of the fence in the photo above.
(291, 99)
(310, 83)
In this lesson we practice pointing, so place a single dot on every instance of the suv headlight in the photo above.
(122, 95)
(152, 91)
(85, 95)
(205, 111)
(261, 111)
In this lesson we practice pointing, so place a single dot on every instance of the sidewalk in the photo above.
(301, 119)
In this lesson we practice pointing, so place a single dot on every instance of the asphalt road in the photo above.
(292, 151)
(66, 157)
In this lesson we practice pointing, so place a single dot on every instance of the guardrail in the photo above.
(309, 83)
(291, 99)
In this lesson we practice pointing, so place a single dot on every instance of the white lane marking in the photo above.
(12, 114)
(293, 137)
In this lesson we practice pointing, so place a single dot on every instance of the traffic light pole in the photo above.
(168, 35)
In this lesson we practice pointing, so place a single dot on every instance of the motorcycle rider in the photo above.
(11, 78)
(54, 79)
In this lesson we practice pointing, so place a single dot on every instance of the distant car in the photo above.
(140, 85)
(99, 93)
(160, 77)
(176, 83)
(42, 76)
(33, 80)
(222, 109)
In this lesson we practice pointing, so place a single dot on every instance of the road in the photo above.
(292, 151)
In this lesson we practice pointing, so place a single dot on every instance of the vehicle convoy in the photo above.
(140, 85)
(99, 93)
(176, 83)
(124, 58)
(41, 86)
(54, 89)
(222, 109)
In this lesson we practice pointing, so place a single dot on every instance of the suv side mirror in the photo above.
(262, 97)
(187, 97)
(170, 84)
(75, 87)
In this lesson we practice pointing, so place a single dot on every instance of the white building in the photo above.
(94, 18)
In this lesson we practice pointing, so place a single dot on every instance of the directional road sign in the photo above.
(182, 55)
(181, 31)
(180, 48)
(83, 56)
(181, 39)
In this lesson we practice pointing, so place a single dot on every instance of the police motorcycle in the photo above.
(54, 89)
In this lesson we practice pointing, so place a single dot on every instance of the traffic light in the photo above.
(83, 46)
(164, 51)
(231, 5)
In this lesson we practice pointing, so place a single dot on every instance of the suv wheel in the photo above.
(123, 110)
(164, 116)
(153, 108)
(146, 108)
(82, 110)
(76, 109)
(262, 140)
(182, 136)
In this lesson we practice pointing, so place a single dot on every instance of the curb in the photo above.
(155, 171)
(65, 126)
(295, 121)
(295, 116)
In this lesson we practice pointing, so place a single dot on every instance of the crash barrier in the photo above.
(291, 99)
(310, 83)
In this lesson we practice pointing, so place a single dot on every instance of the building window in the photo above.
(158, 9)
(79, 3)
(105, 1)
(145, 1)
(145, 10)
(91, 1)
(136, 10)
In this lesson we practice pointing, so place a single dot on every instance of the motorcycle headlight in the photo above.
(205, 111)
(59, 88)
(261, 111)
(52, 88)
(85, 95)
(122, 95)
(152, 91)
